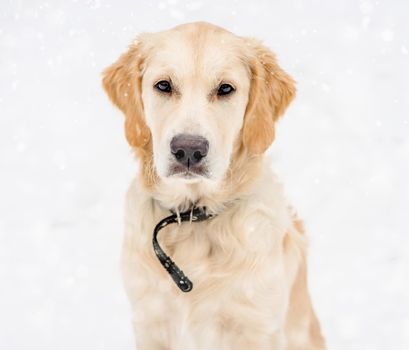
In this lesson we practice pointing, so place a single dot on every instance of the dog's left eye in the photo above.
(225, 89)
(164, 86)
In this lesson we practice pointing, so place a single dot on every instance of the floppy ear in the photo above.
(271, 91)
(122, 82)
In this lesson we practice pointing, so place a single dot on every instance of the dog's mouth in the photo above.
(188, 172)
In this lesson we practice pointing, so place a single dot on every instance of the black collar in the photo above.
(195, 214)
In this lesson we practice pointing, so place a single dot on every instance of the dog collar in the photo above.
(195, 214)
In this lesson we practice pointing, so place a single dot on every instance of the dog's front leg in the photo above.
(252, 339)
(151, 337)
(150, 312)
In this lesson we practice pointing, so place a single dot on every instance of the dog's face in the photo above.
(195, 96)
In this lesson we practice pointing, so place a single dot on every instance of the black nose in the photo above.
(189, 149)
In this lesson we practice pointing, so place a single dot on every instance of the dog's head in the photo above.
(194, 98)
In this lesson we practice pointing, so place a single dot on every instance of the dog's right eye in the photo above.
(164, 86)
(225, 89)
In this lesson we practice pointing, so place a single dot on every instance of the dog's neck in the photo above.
(177, 195)
(182, 198)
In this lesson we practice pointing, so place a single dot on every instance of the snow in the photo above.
(342, 151)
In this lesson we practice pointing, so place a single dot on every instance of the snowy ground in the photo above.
(342, 152)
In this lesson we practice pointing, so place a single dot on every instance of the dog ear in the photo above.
(271, 91)
(122, 82)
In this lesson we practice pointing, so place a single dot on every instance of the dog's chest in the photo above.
(226, 274)
(230, 259)
(191, 245)
(220, 251)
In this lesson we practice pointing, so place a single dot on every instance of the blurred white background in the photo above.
(342, 151)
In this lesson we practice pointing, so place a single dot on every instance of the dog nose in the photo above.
(189, 149)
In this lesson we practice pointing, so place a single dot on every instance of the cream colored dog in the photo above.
(200, 107)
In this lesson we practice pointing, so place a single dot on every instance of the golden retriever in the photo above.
(200, 106)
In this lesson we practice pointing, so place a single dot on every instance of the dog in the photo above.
(200, 106)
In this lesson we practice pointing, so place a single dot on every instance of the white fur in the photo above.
(235, 261)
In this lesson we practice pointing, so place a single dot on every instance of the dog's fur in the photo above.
(248, 264)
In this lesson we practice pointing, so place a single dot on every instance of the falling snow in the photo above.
(342, 151)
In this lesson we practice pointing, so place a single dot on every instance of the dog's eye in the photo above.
(225, 89)
(164, 86)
